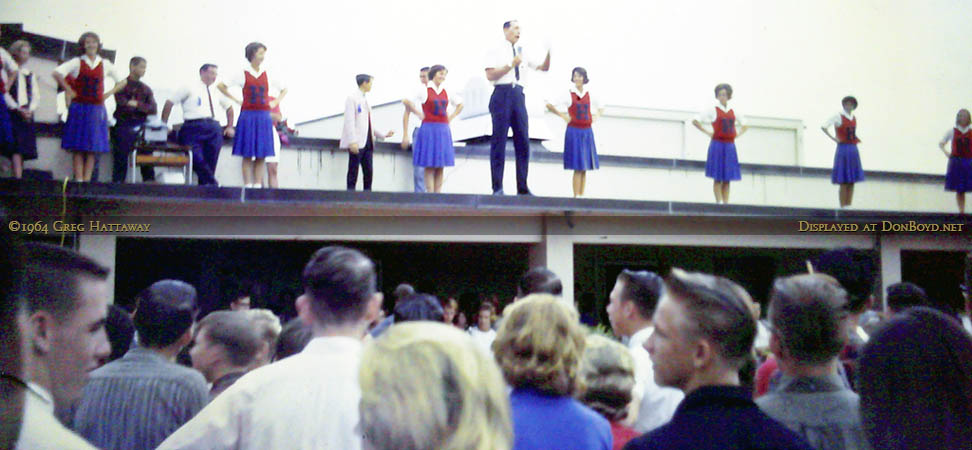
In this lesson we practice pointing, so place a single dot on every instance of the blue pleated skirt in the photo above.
(722, 164)
(580, 153)
(86, 129)
(847, 165)
(6, 132)
(958, 177)
(432, 146)
(254, 135)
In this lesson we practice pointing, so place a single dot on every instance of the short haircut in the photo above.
(120, 330)
(164, 311)
(86, 35)
(252, 48)
(436, 69)
(362, 78)
(340, 281)
(207, 66)
(644, 288)
(849, 99)
(539, 280)
(403, 290)
(806, 313)
(607, 369)
(52, 275)
(424, 69)
(915, 382)
(902, 296)
(418, 307)
(136, 60)
(267, 325)
(17, 45)
(426, 385)
(717, 310)
(854, 269)
(508, 24)
(582, 71)
(293, 338)
(539, 345)
(234, 331)
(722, 86)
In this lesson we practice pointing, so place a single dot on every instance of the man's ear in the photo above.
(702, 354)
(374, 307)
(186, 337)
(304, 310)
(40, 326)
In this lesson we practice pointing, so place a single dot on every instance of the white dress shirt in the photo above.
(195, 101)
(502, 55)
(18, 99)
(708, 115)
(483, 339)
(658, 403)
(40, 430)
(309, 400)
(357, 114)
(73, 66)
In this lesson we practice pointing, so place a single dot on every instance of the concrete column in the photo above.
(555, 251)
(101, 248)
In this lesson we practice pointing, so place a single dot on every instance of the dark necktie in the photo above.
(211, 111)
(516, 68)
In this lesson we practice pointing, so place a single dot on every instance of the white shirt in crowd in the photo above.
(40, 430)
(309, 400)
(483, 339)
(502, 55)
(658, 403)
(708, 115)
(18, 99)
(195, 101)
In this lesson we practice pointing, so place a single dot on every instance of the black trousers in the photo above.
(507, 106)
(123, 138)
(363, 159)
(206, 139)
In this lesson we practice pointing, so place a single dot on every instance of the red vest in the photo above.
(847, 131)
(436, 107)
(90, 83)
(255, 92)
(962, 143)
(580, 110)
(724, 127)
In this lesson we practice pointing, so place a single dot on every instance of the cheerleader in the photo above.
(958, 177)
(433, 148)
(8, 72)
(847, 160)
(21, 101)
(86, 129)
(722, 163)
(254, 128)
(580, 153)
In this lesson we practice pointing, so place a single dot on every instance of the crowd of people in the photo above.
(678, 369)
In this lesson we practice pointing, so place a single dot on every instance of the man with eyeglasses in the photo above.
(632, 303)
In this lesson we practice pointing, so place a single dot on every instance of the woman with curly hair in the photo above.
(607, 369)
(538, 348)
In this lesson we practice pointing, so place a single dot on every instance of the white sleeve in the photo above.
(223, 101)
(707, 116)
(110, 70)
(833, 121)
(69, 68)
(596, 102)
(496, 59)
(455, 99)
(180, 96)
(419, 97)
(217, 426)
(9, 100)
(739, 118)
(948, 135)
(35, 95)
(276, 83)
(8, 62)
(236, 80)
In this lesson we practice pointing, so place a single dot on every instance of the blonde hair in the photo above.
(427, 385)
(539, 345)
(268, 326)
(607, 369)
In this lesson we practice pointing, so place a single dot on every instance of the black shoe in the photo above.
(498, 192)
(526, 192)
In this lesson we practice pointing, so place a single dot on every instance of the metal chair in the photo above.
(159, 154)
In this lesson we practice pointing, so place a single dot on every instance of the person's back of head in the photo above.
(806, 313)
(231, 341)
(539, 280)
(633, 300)
(293, 338)
(607, 369)
(709, 331)
(401, 291)
(52, 278)
(902, 296)
(339, 286)
(539, 345)
(121, 331)
(915, 382)
(268, 326)
(418, 307)
(855, 270)
(164, 314)
(426, 385)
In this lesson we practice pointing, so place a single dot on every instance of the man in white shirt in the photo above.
(507, 106)
(200, 128)
(419, 171)
(309, 400)
(66, 306)
(358, 136)
(632, 304)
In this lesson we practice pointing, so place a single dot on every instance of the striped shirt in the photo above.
(137, 401)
